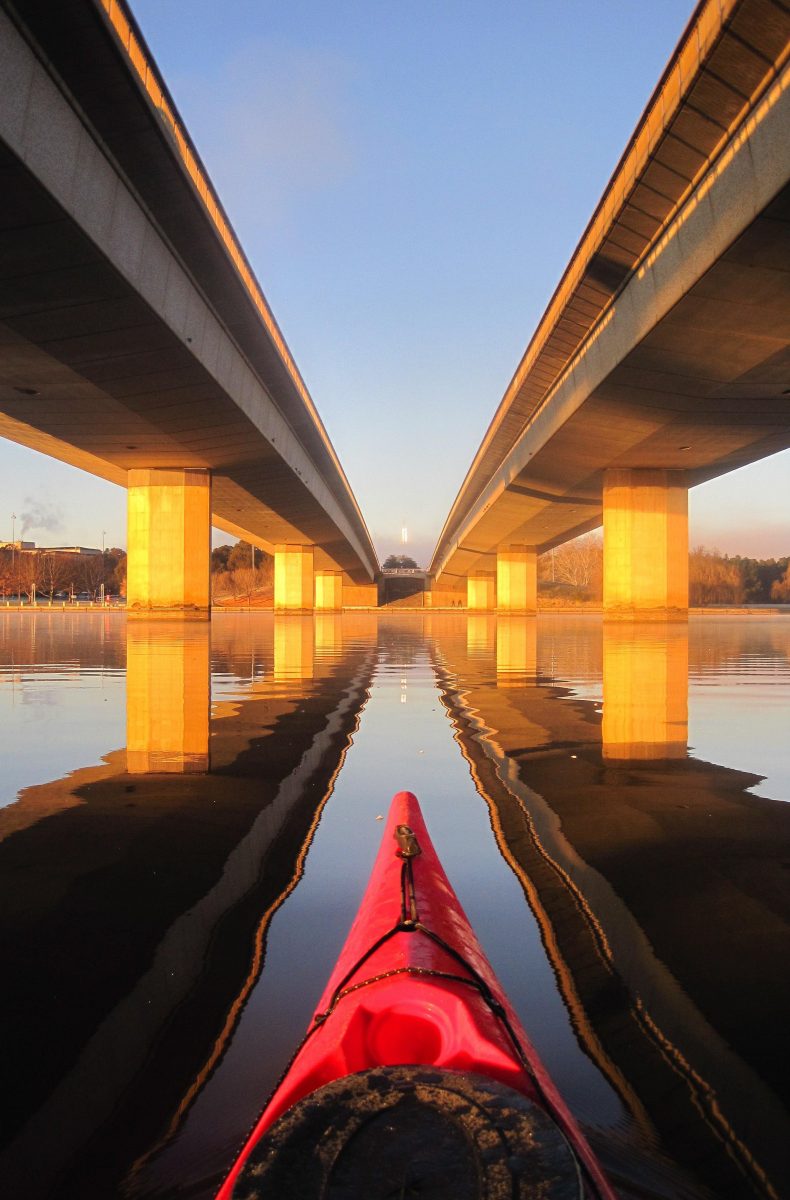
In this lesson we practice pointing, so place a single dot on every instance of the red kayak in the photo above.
(415, 1077)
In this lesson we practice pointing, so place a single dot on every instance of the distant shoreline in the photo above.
(713, 610)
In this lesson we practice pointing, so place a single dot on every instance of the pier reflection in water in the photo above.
(170, 910)
(168, 678)
(645, 691)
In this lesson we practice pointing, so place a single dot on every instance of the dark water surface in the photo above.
(188, 818)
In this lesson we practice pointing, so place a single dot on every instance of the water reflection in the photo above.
(139, 893)
(645, 690)
(162, 949)
(167, 697)
(516, 650)
(641, 865)
(294, 647)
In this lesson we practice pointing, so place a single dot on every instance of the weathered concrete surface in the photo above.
(169, 541)
(645, 544)
(328, 591)
(294, 585)
(133, 334)
(516, 579)
(481, 591)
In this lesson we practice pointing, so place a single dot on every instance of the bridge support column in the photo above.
(645, 545)
(169, 542)
(293, 579)
(328, 591)
(481, 592)
(517, 579)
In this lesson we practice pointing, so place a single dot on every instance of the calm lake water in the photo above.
(188, 818)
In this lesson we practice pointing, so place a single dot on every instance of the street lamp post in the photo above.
(13, 554)
(103, 536)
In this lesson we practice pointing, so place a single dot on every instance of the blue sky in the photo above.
(408, 181)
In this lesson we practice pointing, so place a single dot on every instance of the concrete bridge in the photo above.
(135, 341)
(662, 359)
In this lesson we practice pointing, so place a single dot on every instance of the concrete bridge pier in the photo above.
(481, 591)
(517, 579)
(645, 545)
(328, 591)
(169, 542)
(294, 578)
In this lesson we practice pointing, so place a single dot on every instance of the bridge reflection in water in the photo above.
(141, 892)
(148, 894)
(640, 863)
(645, 691)
(168, 676)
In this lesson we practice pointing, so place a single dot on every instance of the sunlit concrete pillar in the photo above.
(169, 542)
(645, 690)
(329, 590)
(516, 651)
(294, 642)
(293, 578)
(645, 544)
(517, 579)
(167, 697)
(481, 592)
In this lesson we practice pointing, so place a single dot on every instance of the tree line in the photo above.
(236, 571)
(576, 570)
(241, 570)
(48, 573)
(716, 578)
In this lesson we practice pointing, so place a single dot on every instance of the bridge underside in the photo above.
(91, 375)
(131, 338)
(705, 391)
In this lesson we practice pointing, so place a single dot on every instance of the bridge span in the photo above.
(135, 341)
(662, 359)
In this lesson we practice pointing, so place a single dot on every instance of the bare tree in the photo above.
(7, 582)
(578, 563)
(90, 572)
(28, 573)
(221, 585)
(55, 572)
(245, 581)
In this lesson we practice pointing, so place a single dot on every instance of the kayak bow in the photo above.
(413, 988)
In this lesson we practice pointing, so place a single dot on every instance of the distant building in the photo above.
(32, 548)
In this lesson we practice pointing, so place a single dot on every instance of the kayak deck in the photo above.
(413, 986)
